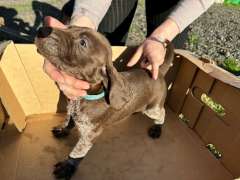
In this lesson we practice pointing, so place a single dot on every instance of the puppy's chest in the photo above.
(83, 111)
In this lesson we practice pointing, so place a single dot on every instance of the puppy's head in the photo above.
(80, 52)
(86, 55)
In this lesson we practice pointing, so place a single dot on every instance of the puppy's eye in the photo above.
(83, 43)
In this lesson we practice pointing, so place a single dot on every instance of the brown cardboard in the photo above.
(124, 151)
(25, 89)
(181, 85)
(21, 82)
(2, 115)
(202, 84)
(222, 87)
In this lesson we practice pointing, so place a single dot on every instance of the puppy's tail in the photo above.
(168, 61)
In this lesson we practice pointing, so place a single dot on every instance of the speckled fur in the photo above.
(84, 126)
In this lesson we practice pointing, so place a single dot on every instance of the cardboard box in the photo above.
(2, 116)
(25, 91)
(222, 129)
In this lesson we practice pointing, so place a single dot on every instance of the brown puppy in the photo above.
(86, 54)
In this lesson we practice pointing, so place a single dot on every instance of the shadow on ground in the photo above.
(18, 29)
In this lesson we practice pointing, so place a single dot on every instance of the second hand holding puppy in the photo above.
(151, 52)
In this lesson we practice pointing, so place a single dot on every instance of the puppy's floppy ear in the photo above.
(118, 89)
(119, 92)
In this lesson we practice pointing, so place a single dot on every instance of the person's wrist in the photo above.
(167, 30)
(157, 38)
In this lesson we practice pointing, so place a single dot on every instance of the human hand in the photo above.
(69, 85)
(152, 54)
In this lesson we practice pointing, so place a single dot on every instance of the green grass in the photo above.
(22, 8)
(232, 65)
(141, 3)
(216, 107)
(214, 151)
(26, 6)
(183, 118)
(230, 4)
(193, 39)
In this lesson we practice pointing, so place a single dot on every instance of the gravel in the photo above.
(138, 29)
(216, 34)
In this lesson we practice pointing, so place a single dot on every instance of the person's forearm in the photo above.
(186, 11)
(89, 12)
(167, 30)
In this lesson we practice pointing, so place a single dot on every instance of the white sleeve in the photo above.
(186, 11)
(93, 9)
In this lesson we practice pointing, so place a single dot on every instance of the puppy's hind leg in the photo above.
(158, 115)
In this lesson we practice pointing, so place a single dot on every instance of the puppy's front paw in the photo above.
(60, 132)
(64, 170)
(155, 131)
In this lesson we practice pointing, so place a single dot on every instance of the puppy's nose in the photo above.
(44, 32)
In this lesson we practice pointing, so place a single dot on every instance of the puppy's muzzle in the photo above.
(44, 32)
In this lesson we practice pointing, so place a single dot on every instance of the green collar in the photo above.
(95, 96)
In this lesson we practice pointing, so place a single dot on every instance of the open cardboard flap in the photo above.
(212, 69)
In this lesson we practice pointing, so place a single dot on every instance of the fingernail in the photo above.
(82, 85)
(87, 86)
(61, 87)
(84, 93)
(61, 80)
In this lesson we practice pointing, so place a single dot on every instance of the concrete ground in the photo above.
(122, 152)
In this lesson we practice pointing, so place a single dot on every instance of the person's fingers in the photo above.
(52, 72)
(71, 92)
(151, 65)
(155, 69)
(75, 83)
(53, 22)
(135, 58)
(145, 63)
(68, 80)
(147, 66)
(70, 96)
(81, 84)
(155, 61)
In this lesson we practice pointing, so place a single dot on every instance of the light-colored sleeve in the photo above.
(93, 9)
(186, 11)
